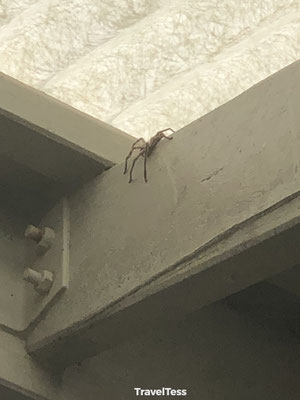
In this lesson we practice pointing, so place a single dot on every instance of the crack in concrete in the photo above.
(212, 175)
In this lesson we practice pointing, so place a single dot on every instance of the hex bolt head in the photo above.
(43, 237)
(46, 241)
(42, 281)
(33, 233)
(32, 276)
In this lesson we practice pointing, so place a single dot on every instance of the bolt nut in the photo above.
(46, 241)
(43, 237)
(42, 281)
(33, 233)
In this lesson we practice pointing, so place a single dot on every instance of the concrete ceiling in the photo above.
(147, 65)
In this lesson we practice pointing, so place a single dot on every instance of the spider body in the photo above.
(145, 150)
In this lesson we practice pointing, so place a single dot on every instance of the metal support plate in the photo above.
(55, 260)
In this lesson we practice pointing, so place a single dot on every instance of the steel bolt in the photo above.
(42, 281)
(43, 237)
(34, 233)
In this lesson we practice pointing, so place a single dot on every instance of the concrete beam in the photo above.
(20, 376)
(288, 280)
(47, 148)
(49, 118)
(23, 378)
(220, 212)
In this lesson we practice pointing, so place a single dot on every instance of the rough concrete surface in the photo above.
(48, 118)
(218, 171)
(144, 65)
(20, 373)
(216, 354)
(15, 253)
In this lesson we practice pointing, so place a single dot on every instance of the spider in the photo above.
(146, 148)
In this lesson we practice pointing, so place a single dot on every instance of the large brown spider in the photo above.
(146, 148)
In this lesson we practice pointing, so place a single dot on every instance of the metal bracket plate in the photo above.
(55, 260)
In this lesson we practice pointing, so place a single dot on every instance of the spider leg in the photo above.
(145, 163)
(133, 147)
(127, 158)
(133, 163)
(140, 139)
(164, 130)
(168, 137)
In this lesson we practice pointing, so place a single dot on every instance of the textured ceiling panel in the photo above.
(144, 65)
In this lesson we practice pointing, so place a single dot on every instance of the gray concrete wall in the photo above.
(218, 171)
(55, 120)
(216, 354)
(45, 151)
(13, 257)
(21, 377)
